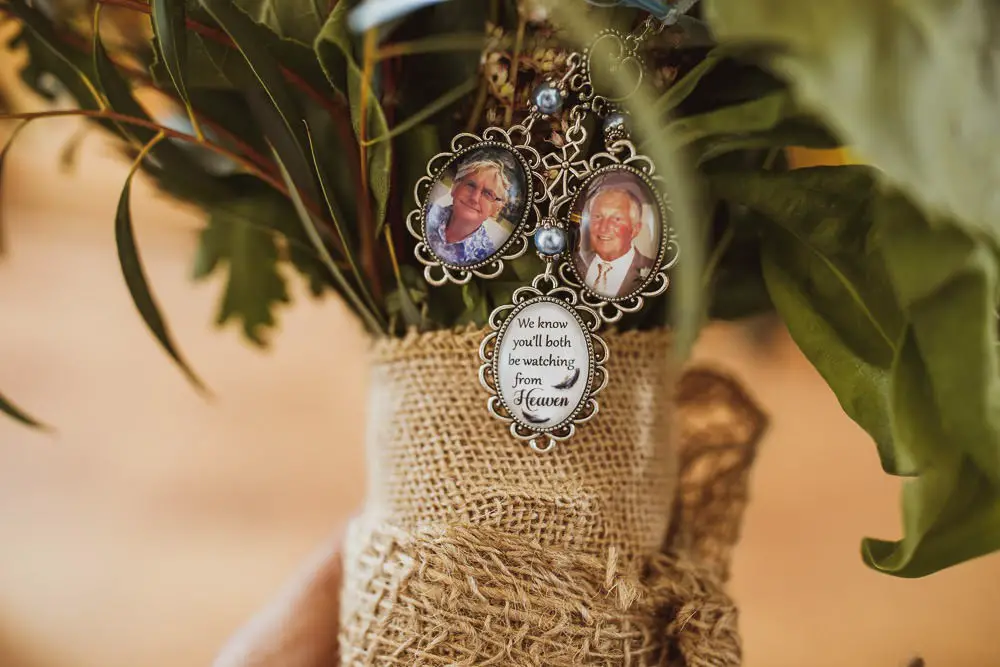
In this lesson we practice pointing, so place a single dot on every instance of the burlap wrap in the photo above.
(611, 550)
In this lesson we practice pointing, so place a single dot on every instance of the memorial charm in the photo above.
(605, 239)
(544, 363)
(476, 205)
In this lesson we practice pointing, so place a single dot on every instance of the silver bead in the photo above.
(614, 121)
(550, 240)
(547, 98)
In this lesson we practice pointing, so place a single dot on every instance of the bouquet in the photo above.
(300, 128)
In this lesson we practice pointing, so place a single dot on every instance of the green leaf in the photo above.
(214, 65)
(168, 156)
(260, 77)
(298, 20)
(8, 408)
(309, 225)
(435, 107)
(476, 311)
(898, 314)
(409, 300)
(333, 47)
(372, 314)
(946, 392)
(951, 513)
(680, 90)
(770, 121)
(135, 277)
(910, 85)
(948, 284)
(254, 286)
(68, 67)
(830, 285)
(169, 21)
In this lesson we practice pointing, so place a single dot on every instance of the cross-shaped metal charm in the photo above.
(565, 162)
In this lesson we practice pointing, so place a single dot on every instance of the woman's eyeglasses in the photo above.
(485, 193)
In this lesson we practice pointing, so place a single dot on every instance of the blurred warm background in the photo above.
(153, 522)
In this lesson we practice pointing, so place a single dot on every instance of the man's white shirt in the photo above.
(613, 277)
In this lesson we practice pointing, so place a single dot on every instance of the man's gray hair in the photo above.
(475, 166)
(635, 204)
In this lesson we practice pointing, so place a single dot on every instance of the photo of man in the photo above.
(610, 259)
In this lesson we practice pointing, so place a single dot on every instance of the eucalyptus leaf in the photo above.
(135, 276)
(167, 155)
(267, 93)
(169, 22)
(909, 84)
(74, 73)
(298, 20)
(335, 52)
(214, 64)
(8, 408)
(49, 59)
(309, 225)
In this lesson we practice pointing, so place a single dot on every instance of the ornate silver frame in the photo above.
(621, 156)
(597, 354)
(516, 140)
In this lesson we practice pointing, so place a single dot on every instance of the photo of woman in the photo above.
(474, 207)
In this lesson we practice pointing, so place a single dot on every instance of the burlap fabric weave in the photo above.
(611, 550)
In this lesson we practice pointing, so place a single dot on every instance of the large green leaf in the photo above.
(946, 391)
(951, 512)
(898, 316)
(948, 283)
(254, 286)
(910, 84)
(830, 285)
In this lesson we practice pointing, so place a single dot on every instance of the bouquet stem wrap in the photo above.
(610, 550)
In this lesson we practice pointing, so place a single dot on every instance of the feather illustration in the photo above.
(569, 380)
(532, 418)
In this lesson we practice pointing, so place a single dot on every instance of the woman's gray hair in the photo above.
(475, 166)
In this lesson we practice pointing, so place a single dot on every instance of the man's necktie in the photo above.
(603, 269)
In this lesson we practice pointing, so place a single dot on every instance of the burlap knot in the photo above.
(612, 550)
